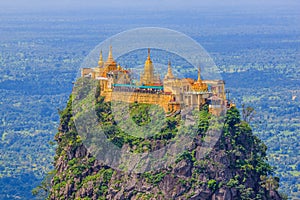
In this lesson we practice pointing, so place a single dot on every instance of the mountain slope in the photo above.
(235, 168)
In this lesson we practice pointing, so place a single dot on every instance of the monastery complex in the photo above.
(171, 93)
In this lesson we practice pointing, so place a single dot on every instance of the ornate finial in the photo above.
(100, 62)
(101, 56)
(199, 74)
(148, 53)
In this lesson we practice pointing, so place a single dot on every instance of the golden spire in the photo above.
(199, 74)
(110, 57)
(169, 75)
(199, 85)
(147, 76)
(148, 62)
(110, 63)
(148, 54)
(100, 62)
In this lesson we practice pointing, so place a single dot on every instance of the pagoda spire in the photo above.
(147, 76)
(110, 57)
(169, 75)
(199, 85)
(100, 62)
(148, 58)
(110, 63)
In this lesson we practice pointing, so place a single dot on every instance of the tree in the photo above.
(270, 183)
(232, 117)
(248, 113)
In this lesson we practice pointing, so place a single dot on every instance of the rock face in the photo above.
(232, 170)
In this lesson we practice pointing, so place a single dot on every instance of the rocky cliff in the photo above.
(235, 168)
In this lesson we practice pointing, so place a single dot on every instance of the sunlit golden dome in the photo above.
(119, 67)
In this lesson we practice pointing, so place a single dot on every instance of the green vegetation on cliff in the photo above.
(235, 168)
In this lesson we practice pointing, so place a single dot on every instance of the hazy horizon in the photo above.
(155, 5)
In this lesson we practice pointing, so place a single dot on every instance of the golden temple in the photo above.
(171, 93)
